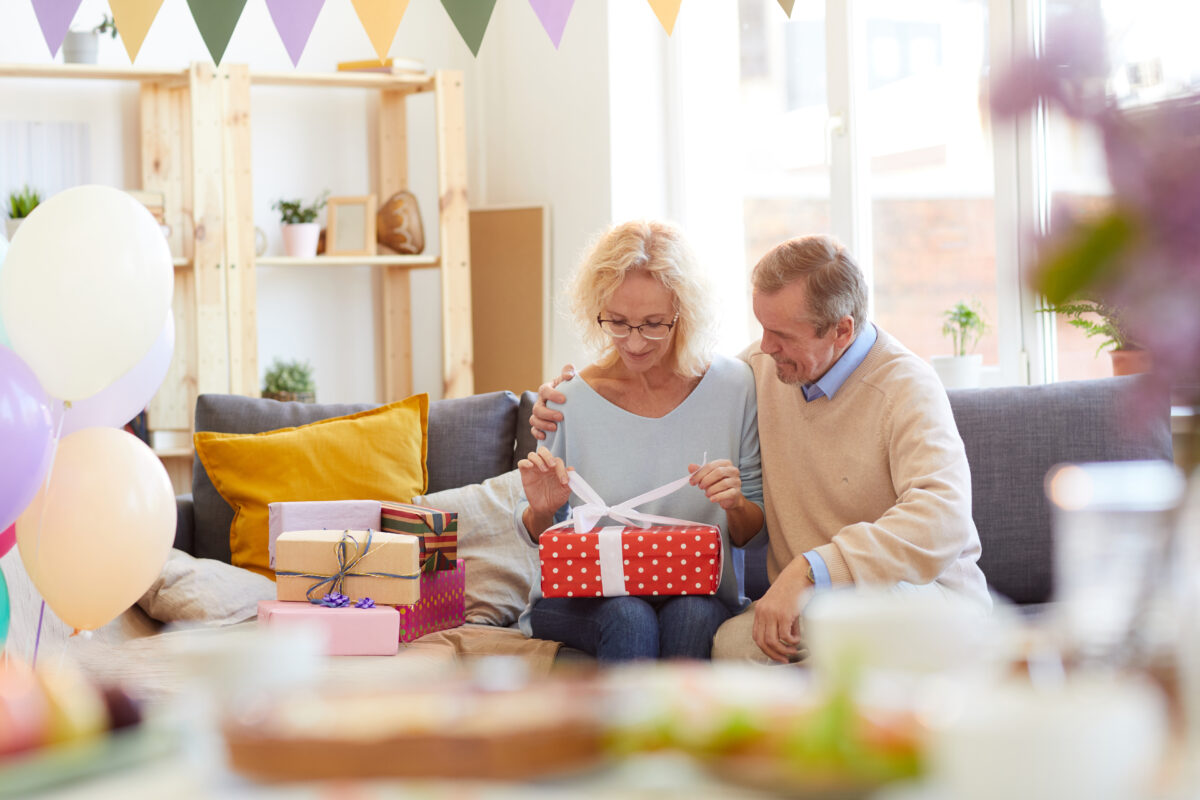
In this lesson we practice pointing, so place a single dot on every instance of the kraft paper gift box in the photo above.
(442, 606)
(381, 566)
(438, 531)
(346, 631)
(629, 560)
(355, 515)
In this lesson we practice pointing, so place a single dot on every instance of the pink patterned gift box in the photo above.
(442, 605)
(347, 631)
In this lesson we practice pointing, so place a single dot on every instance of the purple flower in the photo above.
(335, 600)
(365, 602)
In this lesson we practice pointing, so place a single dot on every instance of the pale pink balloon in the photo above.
(124, 398)
(99, 531)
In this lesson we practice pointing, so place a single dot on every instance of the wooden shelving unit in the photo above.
(195, 150)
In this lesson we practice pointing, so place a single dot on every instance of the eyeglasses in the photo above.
(648, 330)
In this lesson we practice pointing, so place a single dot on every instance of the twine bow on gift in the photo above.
(594, 508)
(349, 553)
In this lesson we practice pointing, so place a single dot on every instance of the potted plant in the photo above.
(81, 47)
(1096, 318)
(21, 204)
(300, 228)
(290, 381)
(963, 324)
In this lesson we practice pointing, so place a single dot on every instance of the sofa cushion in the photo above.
(378, 453)
(1014, 435)
(470, 440)
(526, 444)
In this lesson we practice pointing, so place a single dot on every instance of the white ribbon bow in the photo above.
(594, 508)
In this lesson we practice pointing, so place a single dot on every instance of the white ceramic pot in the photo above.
(300, 240)
(959, 372)
(80, 47)
(10, 227)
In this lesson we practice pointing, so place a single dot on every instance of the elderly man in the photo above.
(865, 478)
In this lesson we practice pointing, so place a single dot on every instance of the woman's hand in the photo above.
(544, 478)
(721, 482)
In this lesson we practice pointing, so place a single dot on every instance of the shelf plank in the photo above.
(181, 262)
(411, 82)
(411, 262)
(174, 452)
(92, 71)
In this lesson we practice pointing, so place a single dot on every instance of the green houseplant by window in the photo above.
(300, 228)
(290, 381)
(963, 325)
(1096, 318)
(21, 204)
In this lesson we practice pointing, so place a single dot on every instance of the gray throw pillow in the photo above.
(204, 590)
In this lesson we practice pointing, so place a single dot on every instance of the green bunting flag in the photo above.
(471, 17)
(216, 20)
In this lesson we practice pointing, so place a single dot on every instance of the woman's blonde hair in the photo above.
(660, 250)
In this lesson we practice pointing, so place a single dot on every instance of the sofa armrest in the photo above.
(185, 524)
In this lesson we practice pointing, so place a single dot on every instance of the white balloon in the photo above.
(85, 289)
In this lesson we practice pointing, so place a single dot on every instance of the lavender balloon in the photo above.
(125, 397)
(26, 436)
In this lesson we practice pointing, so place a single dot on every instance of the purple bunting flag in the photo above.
(553, 16)
(55, 18)
(294, 20)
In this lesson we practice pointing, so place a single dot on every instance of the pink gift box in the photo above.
(442, 604)
(347, 631)
(340, 515)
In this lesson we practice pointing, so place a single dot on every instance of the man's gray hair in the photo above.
(835, 285)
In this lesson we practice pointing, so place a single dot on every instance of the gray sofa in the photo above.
(1013, 435)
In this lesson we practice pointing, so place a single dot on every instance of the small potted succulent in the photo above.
(301, 231)
(963, 325)
(81, 47)
(290, 381)
(21, 204)
(1097, 318)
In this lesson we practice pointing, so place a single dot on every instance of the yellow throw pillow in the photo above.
(377, 454)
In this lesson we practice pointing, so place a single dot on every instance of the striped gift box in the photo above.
(436, 529)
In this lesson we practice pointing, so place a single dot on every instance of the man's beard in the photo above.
(790, 379)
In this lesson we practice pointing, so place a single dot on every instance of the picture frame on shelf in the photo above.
(351, 226)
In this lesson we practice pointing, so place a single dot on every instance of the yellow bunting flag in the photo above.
(787, 6)
(133, 18)
(666, 11)
(380, 19)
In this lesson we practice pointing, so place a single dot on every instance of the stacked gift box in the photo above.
(367, 580)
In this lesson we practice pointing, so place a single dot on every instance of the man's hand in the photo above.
(721, 482)
(545, 480)
(543, 420)
(777, 613)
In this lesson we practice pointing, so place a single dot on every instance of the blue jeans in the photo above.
(628, 628)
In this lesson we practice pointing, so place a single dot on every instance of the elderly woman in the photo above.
(643, 414)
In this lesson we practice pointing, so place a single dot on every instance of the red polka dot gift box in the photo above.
(620, 560)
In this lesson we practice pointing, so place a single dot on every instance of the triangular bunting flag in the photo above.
(216, 20)
(471, 17)
(553, 16)
(380, 19)
(787, 6)
(294, 19)
(55, 18)
(666, 11)
(133, 19)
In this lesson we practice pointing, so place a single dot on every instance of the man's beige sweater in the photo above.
(875, 480)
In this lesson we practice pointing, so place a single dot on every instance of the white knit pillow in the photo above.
(203, 590)
(500, 567)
